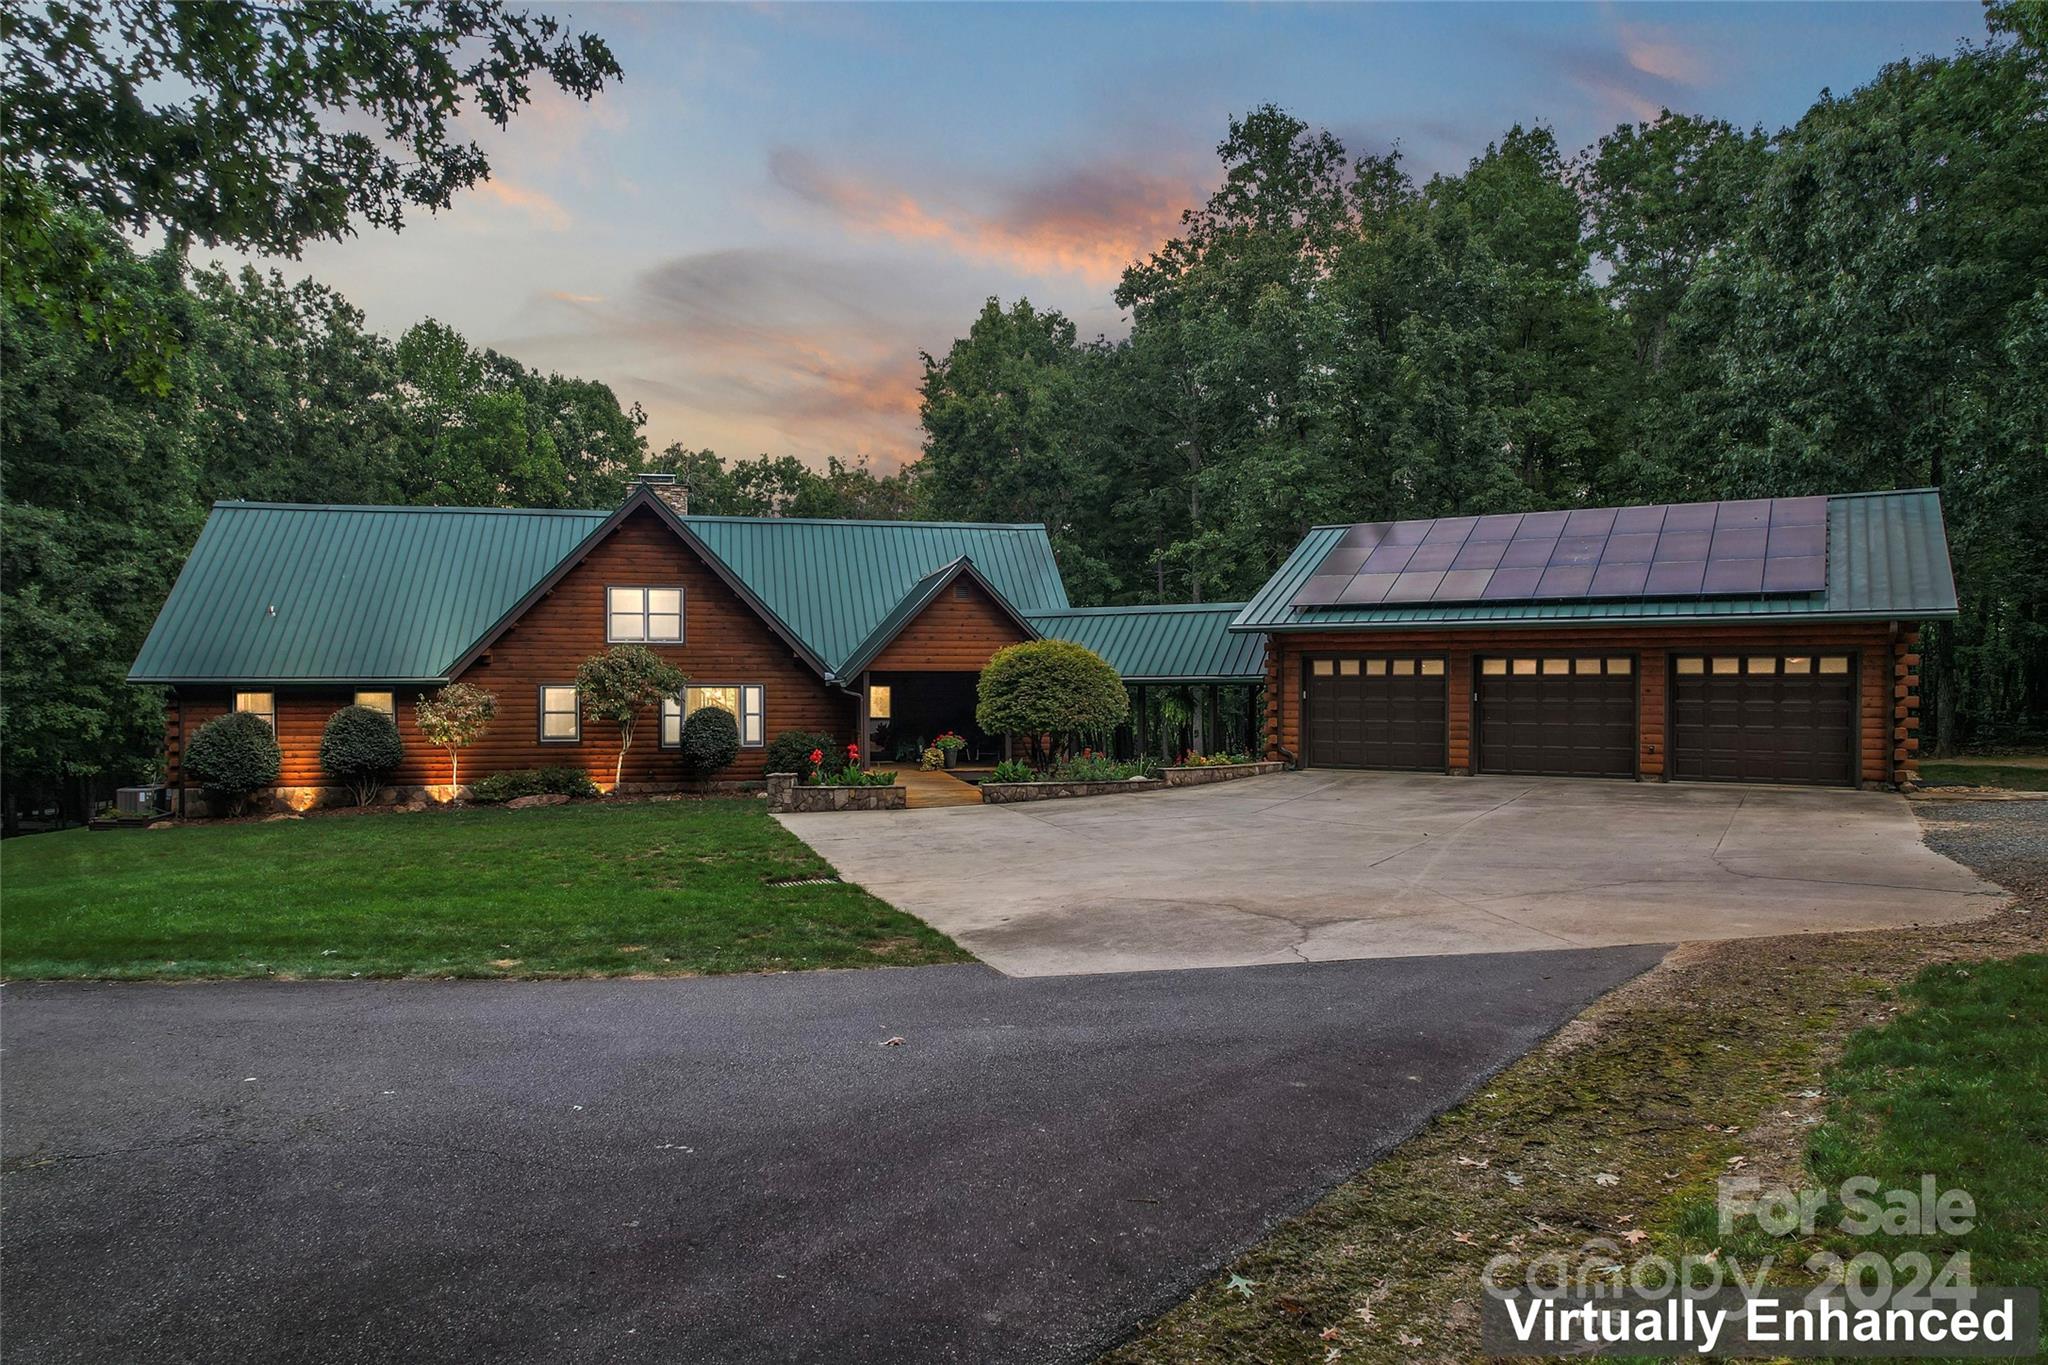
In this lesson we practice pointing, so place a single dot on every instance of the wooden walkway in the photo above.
(934, 789)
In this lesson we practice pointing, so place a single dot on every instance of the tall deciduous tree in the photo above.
(260, 127)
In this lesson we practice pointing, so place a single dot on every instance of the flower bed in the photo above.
(1205, 773)
(1003, 793)
(786, 794)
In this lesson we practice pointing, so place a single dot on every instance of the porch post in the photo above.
(861, 721)
(1251, 722)
(1142, 733)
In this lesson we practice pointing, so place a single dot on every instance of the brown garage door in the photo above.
(1555, 715)
(1764, 718)
(1375, 712)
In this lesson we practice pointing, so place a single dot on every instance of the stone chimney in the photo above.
(669, 489)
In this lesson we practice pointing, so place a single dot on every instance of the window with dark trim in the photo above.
(379, 701)
(262, 704)
(643, 615)
(561, 720)
(748, 703)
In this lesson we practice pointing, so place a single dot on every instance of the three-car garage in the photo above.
(1731, 714)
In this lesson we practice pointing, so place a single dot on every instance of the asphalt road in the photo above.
(712, 1170)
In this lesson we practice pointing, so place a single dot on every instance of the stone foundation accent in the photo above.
(1219, 772)
(1004, 793)
(786, 794)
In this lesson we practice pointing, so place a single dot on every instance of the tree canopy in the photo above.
(260, 127)
(1684, 310)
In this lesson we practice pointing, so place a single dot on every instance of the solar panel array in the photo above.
(1699, 549)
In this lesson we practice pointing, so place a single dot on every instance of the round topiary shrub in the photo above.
(711, 741)
(791, 751)
(1050, 687)
(234, 756)
(360, 749)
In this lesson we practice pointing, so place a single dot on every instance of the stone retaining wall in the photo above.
(1219, 772)
(785, 793)
(1002, 793)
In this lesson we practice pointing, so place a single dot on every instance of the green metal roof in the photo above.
(294, 593)
(835, 582)
(1887, 560)
(1163, 644)
(297, 593)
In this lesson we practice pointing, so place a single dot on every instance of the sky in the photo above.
(759, 229)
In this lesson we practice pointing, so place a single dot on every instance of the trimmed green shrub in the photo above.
(790, 752)
(711, 741)
(501, 787)
(234, 756)
(360, 748)
(1013, 770)
(1050, 687)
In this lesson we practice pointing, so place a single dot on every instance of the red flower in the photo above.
(817, 756)
(853, 753)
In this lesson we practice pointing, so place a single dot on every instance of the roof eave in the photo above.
(1618, 622)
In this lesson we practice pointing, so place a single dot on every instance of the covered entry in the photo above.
(1764, 717)
(1558, 715)
(1375, 711)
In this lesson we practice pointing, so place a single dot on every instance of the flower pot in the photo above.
(952, 759)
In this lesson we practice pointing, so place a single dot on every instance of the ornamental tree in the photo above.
(1050, 687)
(619, 684)
(455, 718)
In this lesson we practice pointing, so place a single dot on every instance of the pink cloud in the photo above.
(1087, 222)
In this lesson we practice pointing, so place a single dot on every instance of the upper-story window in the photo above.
(644, 615)
(378, 701)
(262, 704)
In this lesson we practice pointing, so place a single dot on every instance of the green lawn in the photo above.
(2024, 772)
(663, 887)
(1958, 1088)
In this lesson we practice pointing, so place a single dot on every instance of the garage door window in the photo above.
(1347, 668)
(1835, 663)
(1324, 668)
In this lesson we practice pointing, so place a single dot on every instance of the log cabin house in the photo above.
(1773, 640)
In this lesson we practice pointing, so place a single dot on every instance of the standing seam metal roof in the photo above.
(298, 593)
(1190, 643)
(1887, 560)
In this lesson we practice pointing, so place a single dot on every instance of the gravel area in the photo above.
(2006, 841)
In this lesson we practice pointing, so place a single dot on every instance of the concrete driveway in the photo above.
(729, 1170)
(1319, 865)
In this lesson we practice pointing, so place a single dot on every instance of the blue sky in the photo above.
(758, 230)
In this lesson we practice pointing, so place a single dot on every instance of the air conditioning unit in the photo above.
(142, 803)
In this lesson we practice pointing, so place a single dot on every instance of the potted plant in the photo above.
(933, 759)
(950, 746)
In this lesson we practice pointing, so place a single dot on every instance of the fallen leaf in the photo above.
(1240, 1284)
(891, 1042)
(1511, 1177)
(1332, 1333)
(1464, 1239)
(1635, 1235)
(1606, 1179)
(1407, 1340)
(1481, 1162)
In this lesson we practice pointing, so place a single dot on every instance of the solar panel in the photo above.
(1740, 548)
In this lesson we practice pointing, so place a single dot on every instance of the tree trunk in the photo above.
(619, 768)
(454, 773)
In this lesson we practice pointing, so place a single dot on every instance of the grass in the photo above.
(2018, 773)
(1757, 1056)
(584, 890)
